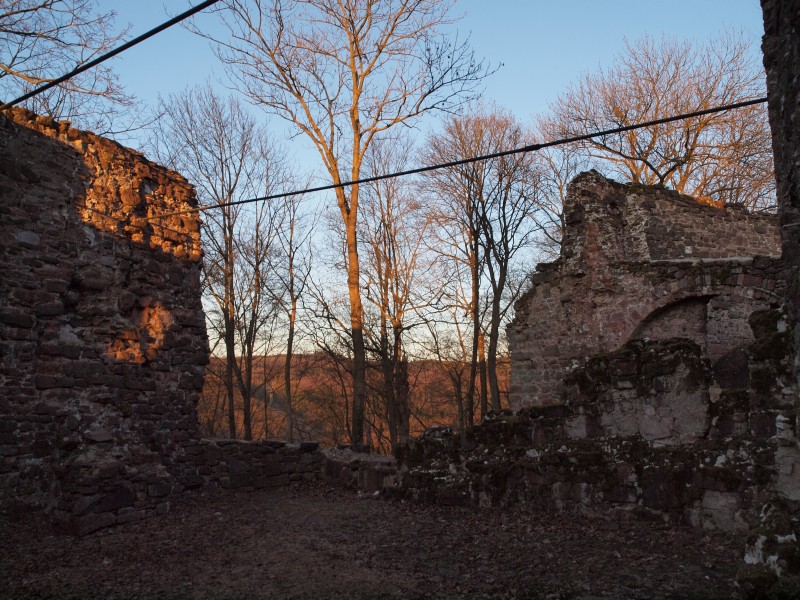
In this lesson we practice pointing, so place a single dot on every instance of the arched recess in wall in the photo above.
(686, 317)
(717, 322)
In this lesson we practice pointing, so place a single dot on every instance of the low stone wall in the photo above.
(256, 465)
(367, 473)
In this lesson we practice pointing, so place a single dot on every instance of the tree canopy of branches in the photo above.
(341, 72)
(41, 40)
(718, 158)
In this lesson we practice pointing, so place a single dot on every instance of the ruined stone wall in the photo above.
(637, 434)
(773, 547)
(653, 365)
(608, 222)
(642, 262)
(102, 334)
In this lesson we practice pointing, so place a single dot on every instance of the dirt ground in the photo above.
(316, 542)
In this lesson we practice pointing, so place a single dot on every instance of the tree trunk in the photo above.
(230, 358)
(247, 393)
(267, 392)
(491, 359)
(396, 390)
(389, 398)
(476, 332)
(401, 399)
(356, 326)
(455, 378)
(228, 323)
(482, 375)
(287, 372)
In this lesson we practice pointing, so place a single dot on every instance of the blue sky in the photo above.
(544, 45)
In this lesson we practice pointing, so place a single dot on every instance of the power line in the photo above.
(111, 53)
(464, 161)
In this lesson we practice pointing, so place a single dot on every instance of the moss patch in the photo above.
(772, 346)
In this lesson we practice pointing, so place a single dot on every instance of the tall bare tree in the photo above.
(341, 72)
(720, 158)
(293, 235)
(455, 207)
(485, 217)
(393, 228)
(512, 196)
(41, 40)
(219, 147)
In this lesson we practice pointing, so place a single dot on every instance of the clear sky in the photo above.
(543, 45)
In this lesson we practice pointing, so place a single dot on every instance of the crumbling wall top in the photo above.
(121, 192)
(608, 222)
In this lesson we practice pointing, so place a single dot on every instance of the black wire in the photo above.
(464, 161)
(111, 53)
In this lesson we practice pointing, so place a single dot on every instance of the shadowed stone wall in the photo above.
(773, 548)
(102, 334)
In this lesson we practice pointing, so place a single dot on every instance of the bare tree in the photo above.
(485, 218)
(41, 40)
(719, 158)
(341, 72)
(222, 151)
(506, 206)
(393, 228)
(293, 236)
(455, 207)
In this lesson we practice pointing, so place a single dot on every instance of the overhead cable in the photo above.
(464, 161)
(110, 54)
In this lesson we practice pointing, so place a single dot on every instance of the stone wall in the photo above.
(256, 465)
(781, 46)
(642, 262)
(637, 433)
(368, 473)
(102, 334)
(773, 547)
